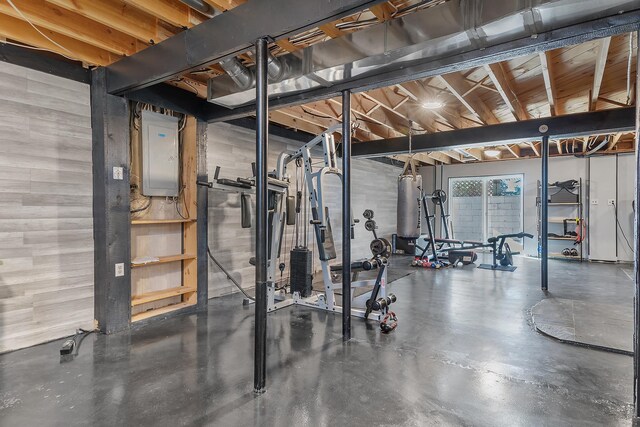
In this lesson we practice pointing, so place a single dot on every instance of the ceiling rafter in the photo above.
(21, 31)
(601, 63)
(118, 15)
(51, 17)
(549, 81)
(498, 76)
(171, 11)
(457, 85)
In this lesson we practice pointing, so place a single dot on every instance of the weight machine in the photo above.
(285, 207)
(291, 206)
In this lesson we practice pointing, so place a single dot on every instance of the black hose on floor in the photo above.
(228, 275)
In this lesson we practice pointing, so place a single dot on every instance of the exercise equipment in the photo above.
(502, 255)
(409, 196)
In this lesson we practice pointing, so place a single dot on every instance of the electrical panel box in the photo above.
(160, 157)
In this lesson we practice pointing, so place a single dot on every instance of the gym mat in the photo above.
(602, 326)
(498, 268)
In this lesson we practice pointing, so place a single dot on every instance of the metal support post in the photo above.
(346, 215)
(544, 212)
(636, 245)
(262, 241)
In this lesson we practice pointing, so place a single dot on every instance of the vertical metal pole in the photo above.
(346, 215)
(262, 241)
(636, 243)
(544, 215)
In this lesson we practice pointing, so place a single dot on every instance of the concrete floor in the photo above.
(465, 353)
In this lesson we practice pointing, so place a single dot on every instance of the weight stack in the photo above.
(301, 275)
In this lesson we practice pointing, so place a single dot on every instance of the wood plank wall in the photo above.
(46, 220)
(233, 149)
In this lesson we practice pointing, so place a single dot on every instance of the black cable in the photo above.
(615, 210)
(228, 275)
(144, 208)
(320, 116)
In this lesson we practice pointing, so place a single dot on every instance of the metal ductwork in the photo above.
(241, 75)
(451, 28)
(200, 6)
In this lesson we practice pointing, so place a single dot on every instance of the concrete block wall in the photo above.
(470, 225)
(503, 215)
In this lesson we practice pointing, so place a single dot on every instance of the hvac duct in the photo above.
(240, 74)
(409, 195)
(450, 28)
(200, 6)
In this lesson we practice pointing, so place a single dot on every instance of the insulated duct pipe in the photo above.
(200, 6)
(240, 74)
(435, 33)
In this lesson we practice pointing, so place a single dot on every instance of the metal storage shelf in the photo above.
(576, 207)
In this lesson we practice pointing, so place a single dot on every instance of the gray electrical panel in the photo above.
(160, 158)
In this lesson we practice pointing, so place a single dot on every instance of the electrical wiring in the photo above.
(615, 212)
(37, 29)
(320, 116)
(37, 48)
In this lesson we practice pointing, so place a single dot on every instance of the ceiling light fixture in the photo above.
(492, 152)
(433, 104)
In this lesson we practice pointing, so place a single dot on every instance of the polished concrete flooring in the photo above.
(464, 353)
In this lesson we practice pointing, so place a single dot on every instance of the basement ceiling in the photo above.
(592, 76)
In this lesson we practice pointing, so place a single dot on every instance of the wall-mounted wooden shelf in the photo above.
(159, 311)
(160, 221)
(168, 231)
(561, 238)
(165, 259)
(158, 295)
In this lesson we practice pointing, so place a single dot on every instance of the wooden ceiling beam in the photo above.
(374, 123)
(476, 153)
(549, 82)
(533, 147)
(172, 11)
(457, 85)
(51, 17)
(442, 158)
(601, 63)
(514, 149)
(119, 16)
(289, 120)
(224, 5)
(382, 11)
(498, 76)
(424, 158)
(21, 31)
(330, 30)
(614, 141)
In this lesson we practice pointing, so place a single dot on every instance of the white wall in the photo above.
(46, 216)
(374, 186)
(560, 169)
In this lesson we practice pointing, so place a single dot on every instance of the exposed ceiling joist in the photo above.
(502, 83)
(19, 30)
(549, 82)
(171, 11)
(457, 85)
(51, 17)
(601, 63)
(118, 15)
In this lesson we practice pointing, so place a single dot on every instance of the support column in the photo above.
(203, 216)
(346, 215)
(262, 241)
(636, 255)
(544, 212)
(111, 217)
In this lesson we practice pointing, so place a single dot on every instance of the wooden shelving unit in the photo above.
(170, 283)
